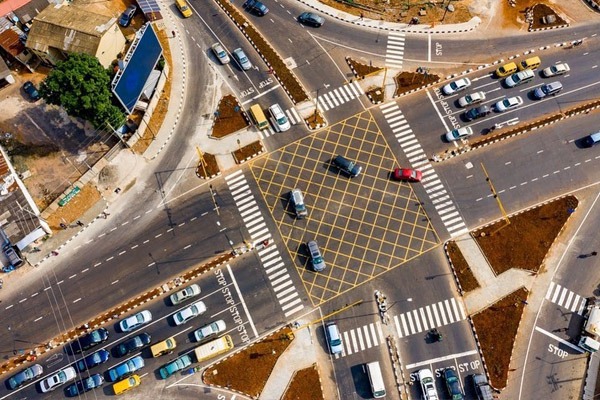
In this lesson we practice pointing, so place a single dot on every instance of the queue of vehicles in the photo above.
(512, 74)
(124, 376)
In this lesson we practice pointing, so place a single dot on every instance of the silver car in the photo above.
(135, 321)
(184, 294)
(220, 53)
(214, 328)
(241, 58)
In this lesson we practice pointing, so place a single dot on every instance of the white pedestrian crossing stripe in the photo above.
(338, 96)
(408, 323)
(359, 339)
(418, 159)
(429, 317)
(292, 115)
(271, 260)
(566, 298)
(395, 49)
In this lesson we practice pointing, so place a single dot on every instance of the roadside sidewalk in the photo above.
(304, 351)
(492, 287)
(392, 26)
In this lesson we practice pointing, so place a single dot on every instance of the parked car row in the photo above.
(514, 74)
(455, 391)
(123, 375)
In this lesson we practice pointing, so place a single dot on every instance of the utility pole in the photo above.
(504, 215)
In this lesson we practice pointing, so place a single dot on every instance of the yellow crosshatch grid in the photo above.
(364, 226)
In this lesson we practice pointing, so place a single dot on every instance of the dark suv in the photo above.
(349, 167)
(256, 7)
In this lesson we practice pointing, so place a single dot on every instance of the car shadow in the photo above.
(303, 256)
(361, 381)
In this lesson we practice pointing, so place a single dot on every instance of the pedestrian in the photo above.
(361, 16)
(524, 302)
(594, 253)
(173, 33)
(64, 226)
(54, 253)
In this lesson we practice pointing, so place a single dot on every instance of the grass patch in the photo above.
(305, 385)
(247, 371)
(526, 240)
(461, 268)
(248, 151)
(496, 328)
(229, 118)
(407, 81)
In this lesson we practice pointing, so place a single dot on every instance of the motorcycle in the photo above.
(436, 335)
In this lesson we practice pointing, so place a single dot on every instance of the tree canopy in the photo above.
(81, 85)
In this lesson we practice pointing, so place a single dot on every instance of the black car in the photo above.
(127, 15)
(312, 19)
(477, 112)
(133, 344)
(90, 340)
(256, 7)
(453, 384)
(84, 385)
(97, 358)
(349, 167)
(31, 91)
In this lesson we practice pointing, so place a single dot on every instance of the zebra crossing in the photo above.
(269, 256)
(566, 298)
(338, 96)
(412, 322)
(362, 338)
(432, 184)
(292, 115)
(432, 316)
(395, 49)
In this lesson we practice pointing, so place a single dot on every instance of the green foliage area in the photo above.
(82, 87)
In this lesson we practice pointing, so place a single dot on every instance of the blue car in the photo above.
(84, 385)
(31, 91)
(127, 15)
(453, 384)
(97, 358)
(126, 369)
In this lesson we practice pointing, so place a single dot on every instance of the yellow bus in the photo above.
(213, 348)
(259, 117)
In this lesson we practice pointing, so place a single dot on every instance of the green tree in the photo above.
(81, 85)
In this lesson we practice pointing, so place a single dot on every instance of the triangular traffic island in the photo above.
(305, 385)
(408, 82)
(207, 167)
(496, 328)
(525, 242)
(248, 370)
(248, 152)
(229, 117)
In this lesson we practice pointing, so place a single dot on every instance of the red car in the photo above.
(407, 174)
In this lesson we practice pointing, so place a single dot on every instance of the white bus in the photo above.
(213, 348)
(375, 379)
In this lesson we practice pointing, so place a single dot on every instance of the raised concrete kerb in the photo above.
(391, 26)
(547, 28)
(460, 289)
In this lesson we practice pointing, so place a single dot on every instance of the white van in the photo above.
(278, 119)
(375, 379)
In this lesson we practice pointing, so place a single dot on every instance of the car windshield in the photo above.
(468, 98)
(454, 86)
(553, 69)
(455, 133)
(282, 120)
(506, 103)
(336, 342)
(61, 377)
(95, 336)
(516, 78)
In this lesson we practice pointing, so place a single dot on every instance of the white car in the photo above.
(508, 103)
(189, 312)
(214, 328)
(427, 384)
(459, 133)
(220, 53)
(456, 86)
(557, 69)
(280, 122)
(135, 321)
(242, 59)
(470, 99)
(184, 294)
(59, 378)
